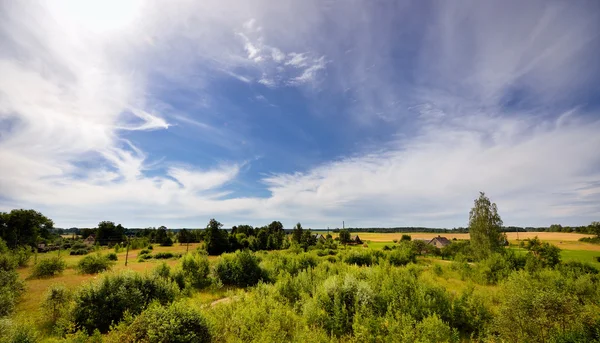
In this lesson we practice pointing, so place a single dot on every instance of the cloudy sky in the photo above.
(380, 113)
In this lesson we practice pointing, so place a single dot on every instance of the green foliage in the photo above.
(107, 232)
(22, 255)
(48, 267)
(176, 323)
(405, 238)
(24, 227)
(239, 269)
(104, 302)
(94, 264)
(164, 255)
(546, 253)
(79, 252)
(360, 258)
(402, 255)
(344, 236)
(56, 302)
(112, 256)
(144, 251)
(535, 307)
(484, 227)
(195, 268)
(18, 332)
(216, 238)
(11, 287)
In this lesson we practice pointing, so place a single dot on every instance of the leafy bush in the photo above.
(361, 258)
(144, 251)
(195, 268)
(56, 301)
(79, 252)
(94, 264)
(144, 257)
(239, 269)
(402, 256)
(176, 324)
(11, 287)
(150, 247)
(167, 242)
(101, 303)
(22, 256)
(406, 238)
(18, 332)
(163, 255)
(48, 267)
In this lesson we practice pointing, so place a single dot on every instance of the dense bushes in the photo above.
(10, 285)
(175, 323)
(239, 269)
(94, 264)
(48, 267)
(402, 255)
(195, 269)
(101, 303)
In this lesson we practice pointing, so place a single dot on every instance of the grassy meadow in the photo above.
(453, 277)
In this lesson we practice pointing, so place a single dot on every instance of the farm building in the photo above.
(439, 242)
(90, 240)
(355, 240)
(319, 236)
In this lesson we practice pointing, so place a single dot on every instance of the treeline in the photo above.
(585, 229)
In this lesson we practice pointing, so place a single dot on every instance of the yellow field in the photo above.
(512, 236)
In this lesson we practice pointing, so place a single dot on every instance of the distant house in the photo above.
(90, 240)
(439, 242)
(355, 240)
(319, 236)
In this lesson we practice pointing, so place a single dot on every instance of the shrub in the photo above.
(163, 255)
(144, 251)
(162, 270)
(48, 267)
(117, 248)
(402, 256)
(150, 247)
(79, 252)
(405, 238)
(361, 258)
(175, 323)
(395, 240)
(144, 257)
(167, 242)
(56, 301)
(11, 287)
(104, 302)
(18, 332)
(239, 269)
(195, 268)
(112, 256)
(94, 264)
(22, 256)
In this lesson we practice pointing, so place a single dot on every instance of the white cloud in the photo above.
(69, 90)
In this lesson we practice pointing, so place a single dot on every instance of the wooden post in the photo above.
(127, 252)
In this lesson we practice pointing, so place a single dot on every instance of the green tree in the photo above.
(108, 232)
(345, 236)
(297, 233)
(484, 227)
(594, 228)
(24, 227)
(216, 238)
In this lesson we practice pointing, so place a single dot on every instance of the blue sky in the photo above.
(394, 113)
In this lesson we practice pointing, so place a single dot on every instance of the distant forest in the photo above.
(403, 229)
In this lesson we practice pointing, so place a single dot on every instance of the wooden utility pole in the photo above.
(343, 225)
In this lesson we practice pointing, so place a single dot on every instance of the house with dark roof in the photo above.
(319, 236)
(355, 240)
(439, 242)
(90, 240)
